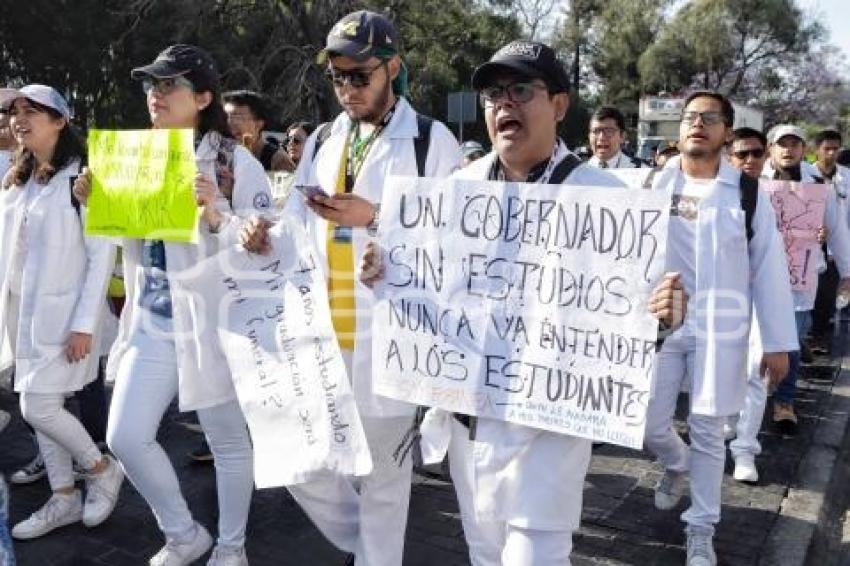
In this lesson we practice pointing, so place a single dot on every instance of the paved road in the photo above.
(620, 525)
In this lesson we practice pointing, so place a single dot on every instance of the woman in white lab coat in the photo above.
(52, 289)
(167, 340)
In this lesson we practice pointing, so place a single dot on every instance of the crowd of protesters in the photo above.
(75, 314)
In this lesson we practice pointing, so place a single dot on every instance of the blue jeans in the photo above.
(787, 389)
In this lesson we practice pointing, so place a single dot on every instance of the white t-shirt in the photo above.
(682, 230)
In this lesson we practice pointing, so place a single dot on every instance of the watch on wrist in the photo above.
(372, 228)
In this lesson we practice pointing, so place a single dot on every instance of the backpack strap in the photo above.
(564, 168)
(75, 202)
(749, 199)
(422, 142)
(322, 135)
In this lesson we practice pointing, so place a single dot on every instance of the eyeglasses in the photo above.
(296, 140)
(519, 93)
(167, 85)
(239, 118)
(607, 132)
(357, 78)
(708, 118)
(742, 154)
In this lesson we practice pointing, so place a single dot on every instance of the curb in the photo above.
(804, 505)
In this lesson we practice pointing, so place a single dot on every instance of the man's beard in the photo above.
(374, 114)
(702, 152)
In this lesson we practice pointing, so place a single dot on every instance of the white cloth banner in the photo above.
(633, 178)
(288, 371)
(521, 302)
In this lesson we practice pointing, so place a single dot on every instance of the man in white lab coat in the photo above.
(519, 488)
(787, 147)
(748, 153)
(343, 169)
(827, 143)
(607, 133)
(731, 261)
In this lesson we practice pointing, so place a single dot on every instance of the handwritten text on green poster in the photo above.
(142, 185)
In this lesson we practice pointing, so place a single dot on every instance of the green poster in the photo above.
(143, 185)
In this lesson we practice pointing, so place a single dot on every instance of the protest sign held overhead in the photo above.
(142, 184)
(275, 328)
(799, 214)
(521, 302)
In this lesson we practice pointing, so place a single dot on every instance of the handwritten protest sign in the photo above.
(525, 303)
(799, 214)
(142, 185)
(290, 378)
(281, 183)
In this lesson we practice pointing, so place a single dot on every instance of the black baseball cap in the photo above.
(189, 61)
(527, 58)
(361, 35)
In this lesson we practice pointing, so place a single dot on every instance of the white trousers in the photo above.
(499, 543)
(749, 419)
(368, 515)
(145, 386)
(705, 456)
(61, 438)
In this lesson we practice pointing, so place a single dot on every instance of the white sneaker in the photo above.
(30, 473)
(102, 493)
(669, 490)
(729, 432)
(183, 553)
(700, 547)
(5, 417)
(745, 469)
(60, 510)
(228, 556)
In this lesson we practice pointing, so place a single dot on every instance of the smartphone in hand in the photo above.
(310, 191)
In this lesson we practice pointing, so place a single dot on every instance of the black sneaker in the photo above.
(30, 473)
(202, 454)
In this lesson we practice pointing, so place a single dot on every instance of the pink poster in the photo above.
(799, 214)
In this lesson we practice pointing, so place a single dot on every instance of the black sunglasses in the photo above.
(358, 78)
(742, 154)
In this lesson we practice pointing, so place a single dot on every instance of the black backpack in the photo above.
(421, 143)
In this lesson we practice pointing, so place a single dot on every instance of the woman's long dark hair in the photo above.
(213, 118)
(69, 146)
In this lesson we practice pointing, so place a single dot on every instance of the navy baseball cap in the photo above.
(180, 60)
(361, 35)
(530, 59)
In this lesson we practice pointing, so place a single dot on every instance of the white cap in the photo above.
(41, 94)
(781, 130)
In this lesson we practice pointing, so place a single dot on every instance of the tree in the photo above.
(717, 44)
(622, 31)
(574, 37)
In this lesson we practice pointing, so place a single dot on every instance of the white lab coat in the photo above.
(528, 477)
(732, 277)
(838, 239)
(619, 161)
(841, 181)
(204, 375)
(388, 156)
(5, 162)
(63, 286)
